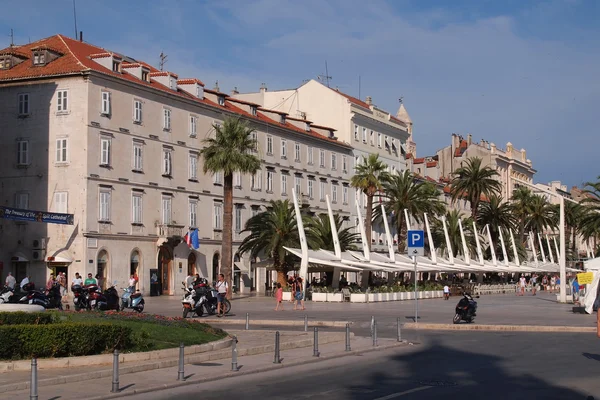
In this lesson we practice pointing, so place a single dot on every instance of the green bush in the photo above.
(25, 318)
(62, 340)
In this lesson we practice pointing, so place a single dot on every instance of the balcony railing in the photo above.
(169, 230)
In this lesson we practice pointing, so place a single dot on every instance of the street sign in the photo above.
(416, 243)
(585, 278)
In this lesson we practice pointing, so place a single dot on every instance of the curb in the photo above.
(276, 322)
(499, 328)
(219, 354)
(249, 372)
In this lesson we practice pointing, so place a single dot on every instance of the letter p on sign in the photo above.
(416, 243)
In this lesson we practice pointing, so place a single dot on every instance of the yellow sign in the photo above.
(585, 278)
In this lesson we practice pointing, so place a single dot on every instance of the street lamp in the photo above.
(562, 257)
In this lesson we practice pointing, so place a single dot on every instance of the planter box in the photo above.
(395, 296)
(334, 297)
(439, 293)
(358, 298)
(319, 297)
(287, 296)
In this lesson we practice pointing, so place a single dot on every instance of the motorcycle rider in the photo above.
(10, 281)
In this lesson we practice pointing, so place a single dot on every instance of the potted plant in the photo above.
(319, 294)
(335, 295)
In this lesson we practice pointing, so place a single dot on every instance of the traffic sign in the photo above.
(416, 243)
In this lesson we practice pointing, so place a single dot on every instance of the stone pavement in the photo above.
(208, 370)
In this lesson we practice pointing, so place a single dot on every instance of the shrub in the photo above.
(62, 340)
(25, 318)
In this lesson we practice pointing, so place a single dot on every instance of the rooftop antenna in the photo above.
(359, 86)
(325, 77)
(75, 19)
(401, 99)
(163, 60)
(12, 38)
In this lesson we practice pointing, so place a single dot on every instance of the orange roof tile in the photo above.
(324, 127)
(432, 164)
(215, 92)
(298, 119)
(397, 120)
(353, 99)
(240, 101)
(419, 160)
(13, 51)
(189, 81)
(163, 73)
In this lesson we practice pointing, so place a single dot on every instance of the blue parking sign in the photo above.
(415, 243)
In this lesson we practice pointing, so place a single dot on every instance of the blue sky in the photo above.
(527, 72)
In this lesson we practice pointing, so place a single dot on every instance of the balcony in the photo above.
(169, 230)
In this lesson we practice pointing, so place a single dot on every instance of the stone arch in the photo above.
(135, 264)
(103, 267)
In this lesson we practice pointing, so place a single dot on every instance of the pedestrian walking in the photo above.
(446, 292)
(522, 284)
(575, 290)
(279, 297)
(299, 294)
(51, 281)
(533, 281)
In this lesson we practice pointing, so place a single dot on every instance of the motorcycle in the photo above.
(466, 309)
(212, 302)
(80, 299)
(102, 301)
(132, 299)
(192, 302)
(8, 295)
(51, 299)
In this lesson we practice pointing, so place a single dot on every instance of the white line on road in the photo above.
(394, 395)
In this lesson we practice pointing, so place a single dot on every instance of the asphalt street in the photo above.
(450, 365)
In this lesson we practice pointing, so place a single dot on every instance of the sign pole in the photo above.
(416, 247)
(416, 297)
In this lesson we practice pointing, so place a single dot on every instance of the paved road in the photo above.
(456, 365)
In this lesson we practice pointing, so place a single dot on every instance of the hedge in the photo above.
(62, 340)
(25, 318)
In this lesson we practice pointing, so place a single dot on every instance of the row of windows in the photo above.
(375, 138)
(333, 160)
(59, 203)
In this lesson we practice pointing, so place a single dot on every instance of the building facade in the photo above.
(116, 143)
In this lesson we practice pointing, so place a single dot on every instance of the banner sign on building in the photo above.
(16, 214)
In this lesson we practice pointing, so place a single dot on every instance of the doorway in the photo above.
(134, 266)
(215, 266)
(165, 262)
(102, 268)
(58, 268)
(191, 267)
(20, 269)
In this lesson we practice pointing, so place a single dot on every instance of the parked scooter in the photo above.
(8, 295)
(102, 301)
(212, 302)
(192, 302)
(132, 299)
(50, 300)
(80, 299)
(466, 309)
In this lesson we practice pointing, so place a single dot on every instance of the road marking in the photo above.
(394, 395)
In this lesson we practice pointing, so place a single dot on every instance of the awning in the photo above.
(19, 257)
(59, 257)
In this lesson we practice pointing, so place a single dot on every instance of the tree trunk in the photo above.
(522, 230)
(401, 231)
(226, 242)
(369, 220)
(282, 277)
(474, 206)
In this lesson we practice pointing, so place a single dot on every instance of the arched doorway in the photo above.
(237, 273)
(191, 267)
(102, 265)
(215, 266)
(165, 264)
(134, 266)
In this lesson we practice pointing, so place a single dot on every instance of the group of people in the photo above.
(549, 283)
(295, 283)
(193, 281)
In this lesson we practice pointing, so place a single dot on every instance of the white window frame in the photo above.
(310, 155)
(193, 125)
(333, 161)
(345, 194)
(138, 156)
(62, 151)
(166, 210)
(22, 200)
(364, 134)
(62, 104)
(23, 104)
(61, 202)
(218, 178)
(298, 185)
(137, 212)
(237, 179)
(166, 119)
(379, 139)
(372, 138)
(334, 193)
(257, 180)
(104, 205)
(344, 164)
(356, 133)
(310, 186)
(322, 158)
(297, 152)
(270, 181)
(254, 137)
(167, 167)
(322, 189)
(193, 212)
(137, 111)
(23, 152)
(105, 103)
(283, 184)
(222, 101)
(217, 216)
(105, 145)
(283, 148)
(193, 166)
(238, 225)
(269, 145)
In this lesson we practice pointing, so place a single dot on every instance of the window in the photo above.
(104, 151)
(297, 152)
(372, 138)
(253, 110)
(23, 103)
(166, 119)
(166, 209)
(310, 188)
(310, 155)
(334, 193)
(283, 149)
(61, 150)
(104, 214)
(322, 158)
(257, 180)
(237, 179)
(270, 181)
(283, 184)
(238, 218)
(356, 162)
(167, 163)
(61, 200)
(345, 194)
(63, 101)
(22, 201)
(282, 118)
(255, 211)
(221, 101)
(193, 208)
(344, 164)
(218, 178)
(39, 58)
(193, 167)
(23, 152)
(379, 139)
(137, 156)
(355, 132)
(364, 135)
(193, 125)
(116, 66)
(105, 103)
(270, 145)
(333, 161)
(218, 215)
(297, 185)
(136, 208)
(137, 111)
(145, 76)
(254, 138)
(387, 143)
(322, 190)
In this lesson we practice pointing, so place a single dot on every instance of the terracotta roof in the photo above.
(163, 73)
(189, 81)
(14, 51)
(236, 100)
(298, 119)
(273, 111)
(419, 160)
(431, 164)
(353, 99)
(215, 92)
(104, 55)
(46, 47)
(397, 120)
(324, 127)
(133, 65)
(408, 156)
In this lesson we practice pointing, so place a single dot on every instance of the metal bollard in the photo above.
(247, 321)
(305, 323)
(375, 334)
(316, 343)
(372, 324)
(33, 392)
(277, 359)
(234, 354)
(180, 372)
(399, 330)
(348, 337)
(115, 379)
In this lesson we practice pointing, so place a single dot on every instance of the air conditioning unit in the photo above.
(38, 255)
(39, 244)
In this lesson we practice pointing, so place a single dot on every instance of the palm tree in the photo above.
(229, 152)
(403, 191)
(497, 214)
(270, 231)
(520, 202)
(590, 218)
(319, 230)
(542, 214)
(573, 216)
(471, 181)
(368, 179)
(452, 218)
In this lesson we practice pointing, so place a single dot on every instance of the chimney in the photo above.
(216, 88)
(469, 139)
(234, 91)
(81, 36)
(263, 87)
(369, 100)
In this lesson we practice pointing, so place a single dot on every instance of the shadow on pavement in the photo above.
(591, 356)
(437, 372)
